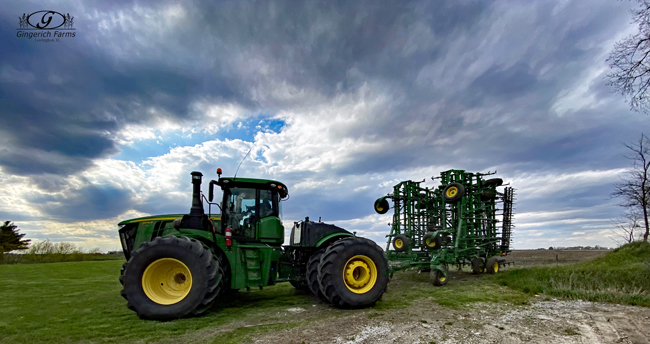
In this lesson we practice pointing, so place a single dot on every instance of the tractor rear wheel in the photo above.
(171, 277)
(492, 265)
(312, 274)
(353, 272)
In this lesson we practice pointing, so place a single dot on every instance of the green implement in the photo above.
(454, 224)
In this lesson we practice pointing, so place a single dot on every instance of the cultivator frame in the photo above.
(453, 224)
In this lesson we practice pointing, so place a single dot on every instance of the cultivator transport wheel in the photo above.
(312, 274)
(400, 243)
(493, 182)
(382, 206)
(453, 192)
(171, 277)
(431, 241)
(477, 266)
(353, 273)
(492, 265)
(439, 278)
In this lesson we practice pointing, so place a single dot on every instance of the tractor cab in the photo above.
(251, 209)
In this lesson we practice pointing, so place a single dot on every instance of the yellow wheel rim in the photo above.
(442, 278)
(379, 208)
(360, 274)
(452, 191)
(167, 281)
(399, 243)
(430, 243)
(496, 267)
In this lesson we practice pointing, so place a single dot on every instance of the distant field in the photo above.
(536, 257)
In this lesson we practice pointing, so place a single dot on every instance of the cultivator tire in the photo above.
(382, 206)
(400, 243)
(477, 266)
(171, 277)
(312, 274)
(493, 182)
(492, 265)
(439, 278)
(353, 273)
(453, 192)
(431, 241)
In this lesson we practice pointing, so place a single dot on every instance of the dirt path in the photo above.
(550, 321)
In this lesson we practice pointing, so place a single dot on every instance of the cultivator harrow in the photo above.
(456, 223)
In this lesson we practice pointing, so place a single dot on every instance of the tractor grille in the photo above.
(127, 238)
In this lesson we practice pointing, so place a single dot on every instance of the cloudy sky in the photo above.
(340, 101)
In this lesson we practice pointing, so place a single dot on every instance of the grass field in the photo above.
(620, 276)
(79, 302)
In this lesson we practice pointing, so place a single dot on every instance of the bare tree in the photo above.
(628, 227)
(630, 61)
(634, 187)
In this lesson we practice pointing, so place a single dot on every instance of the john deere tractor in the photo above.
(178, 265)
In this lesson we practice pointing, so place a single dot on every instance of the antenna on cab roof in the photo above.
(242, 160)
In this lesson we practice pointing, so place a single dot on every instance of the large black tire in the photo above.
(453, 192)
(365, 267)
(163, 255)
(400, 243)
(312, 274)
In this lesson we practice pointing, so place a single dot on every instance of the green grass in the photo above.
(80, 302)
(621, 276)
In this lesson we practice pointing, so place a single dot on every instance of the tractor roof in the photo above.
(228, 181)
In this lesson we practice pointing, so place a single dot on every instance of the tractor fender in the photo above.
(331, 238)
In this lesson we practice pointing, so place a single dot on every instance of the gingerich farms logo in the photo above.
(46, 26)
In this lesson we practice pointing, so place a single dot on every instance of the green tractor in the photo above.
(178, 265)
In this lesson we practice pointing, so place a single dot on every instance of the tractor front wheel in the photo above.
(171, 277)
(353, 272)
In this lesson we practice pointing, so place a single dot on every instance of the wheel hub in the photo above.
(167, 281)
(360, 274)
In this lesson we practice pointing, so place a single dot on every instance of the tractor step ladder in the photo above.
(253, 270)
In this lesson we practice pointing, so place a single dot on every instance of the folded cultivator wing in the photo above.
(464, 221)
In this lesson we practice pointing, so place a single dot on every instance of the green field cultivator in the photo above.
(456, 223)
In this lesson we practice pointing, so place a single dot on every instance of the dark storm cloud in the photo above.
(92, 202)
(70, 99)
